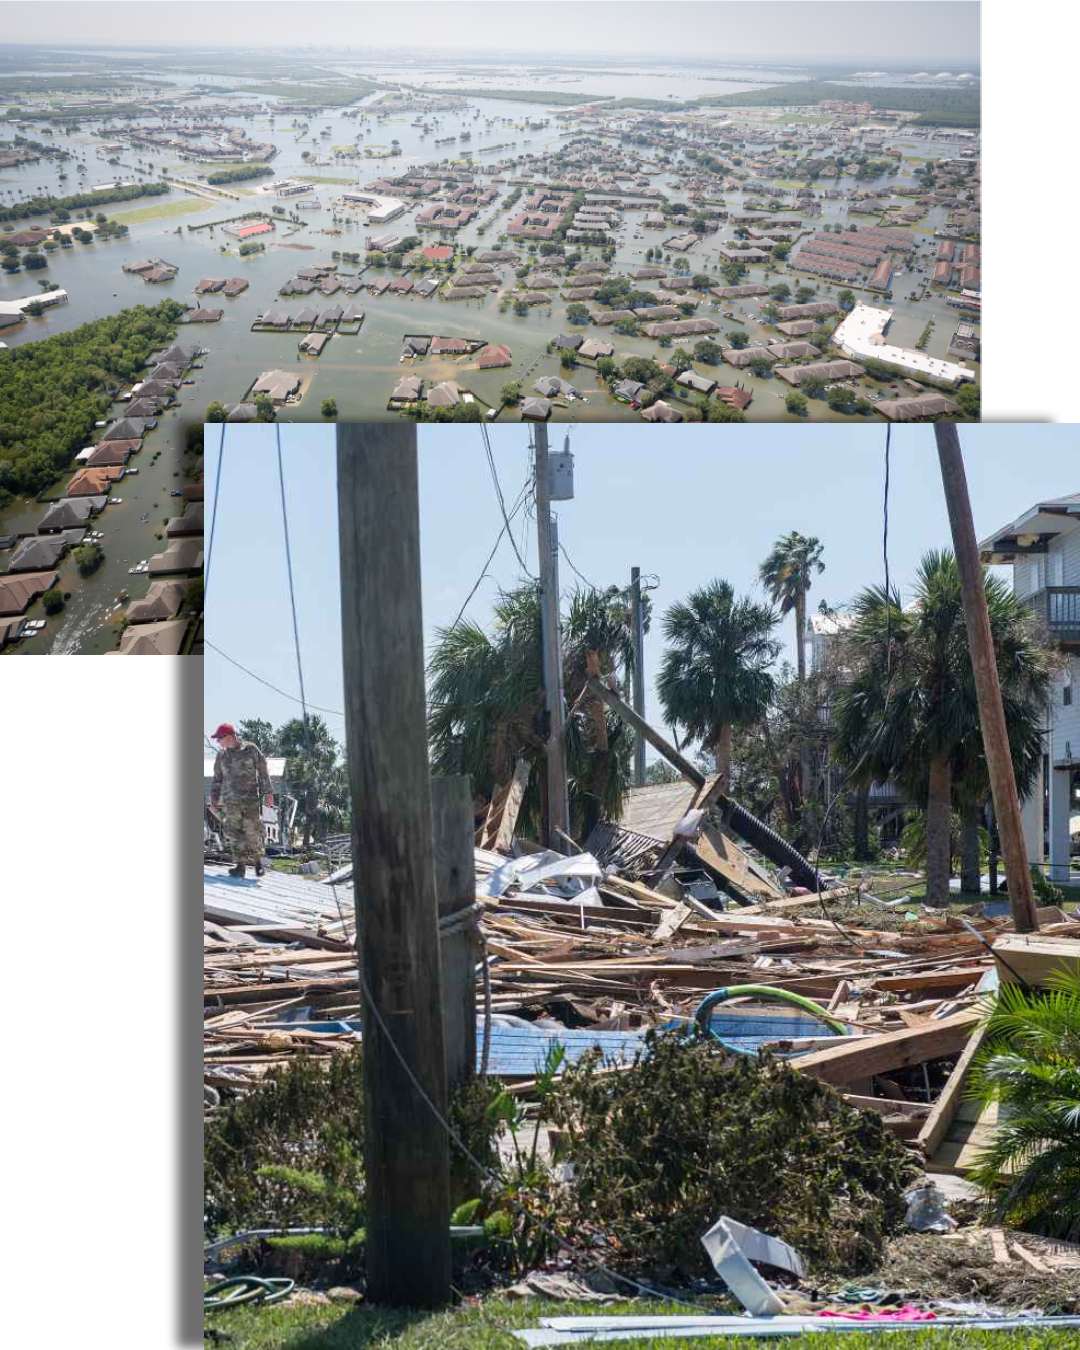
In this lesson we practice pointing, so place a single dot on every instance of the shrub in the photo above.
(329, 407)
(690, 1132)
(1030, 1064)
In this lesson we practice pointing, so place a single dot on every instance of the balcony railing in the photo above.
(1059, 609)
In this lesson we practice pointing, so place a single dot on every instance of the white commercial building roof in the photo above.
(42, 298)
(862, 336)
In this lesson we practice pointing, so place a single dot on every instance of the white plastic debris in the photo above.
(926, 1210)
(732, 1246)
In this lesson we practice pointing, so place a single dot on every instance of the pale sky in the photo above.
(889, 32)
(686, 503)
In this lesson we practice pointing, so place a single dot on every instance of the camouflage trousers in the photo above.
(244, 837)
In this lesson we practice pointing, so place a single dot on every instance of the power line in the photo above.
(213, 514)
(314, 707)
(501, 499)
(577, 573)
(289, 569)
(507, 518)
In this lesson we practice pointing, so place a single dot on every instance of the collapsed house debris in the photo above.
(596, 949)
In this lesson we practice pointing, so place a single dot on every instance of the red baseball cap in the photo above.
(226, 729)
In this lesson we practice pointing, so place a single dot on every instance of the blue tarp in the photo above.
(519, 1048)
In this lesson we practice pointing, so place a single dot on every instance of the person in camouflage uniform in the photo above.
(241, 785)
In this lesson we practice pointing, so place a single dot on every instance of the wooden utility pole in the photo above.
(455, 887)
(558, 802)
(995, 733)
(638, 632)
(406, 1146)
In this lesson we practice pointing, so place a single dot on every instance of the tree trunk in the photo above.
(862, 825)
(970, 862)
(938, 820)
(722, 751)
(800, 641)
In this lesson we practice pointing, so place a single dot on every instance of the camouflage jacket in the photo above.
(240, 775)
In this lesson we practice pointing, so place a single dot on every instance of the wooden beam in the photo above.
(658, 743)
(1033, 956)
(859, 1057)
(944, 1109)
(455, 887)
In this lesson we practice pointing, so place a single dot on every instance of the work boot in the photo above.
(259, 868)
(237, 871)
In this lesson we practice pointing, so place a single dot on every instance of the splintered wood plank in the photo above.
(1033, 956)
(1000, 1248)
(859, 1057)
(944, 1109)
(720, 852)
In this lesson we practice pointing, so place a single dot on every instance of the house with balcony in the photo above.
(1043, 547)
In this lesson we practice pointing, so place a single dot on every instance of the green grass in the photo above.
(182, 206)
(317, 178)
(486, 1326)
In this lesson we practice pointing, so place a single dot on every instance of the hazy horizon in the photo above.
(938, 34)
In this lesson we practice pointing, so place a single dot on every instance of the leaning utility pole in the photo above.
(638, 622)
(995, 733)
(558, 803)
(406, 1147)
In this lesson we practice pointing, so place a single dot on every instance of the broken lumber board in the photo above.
(720, 852)
(1032, 956)
(671, 922)
(859, 1057)
(497, 831)
(947, 981)
(944, 1109)
(972, 1130)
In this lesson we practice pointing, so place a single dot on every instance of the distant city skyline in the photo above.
(935, 33)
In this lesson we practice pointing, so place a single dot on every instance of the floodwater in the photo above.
(359, 371)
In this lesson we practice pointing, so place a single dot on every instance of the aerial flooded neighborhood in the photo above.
(332, 233)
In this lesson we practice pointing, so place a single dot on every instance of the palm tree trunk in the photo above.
(862, 825)
(938, 821)
(970, 862)
(722, 751)
(800, 636)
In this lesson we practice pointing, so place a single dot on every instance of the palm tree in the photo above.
(486, 702)
(1030, 1065)
(715, 672)
(910, 710)
(787, 574)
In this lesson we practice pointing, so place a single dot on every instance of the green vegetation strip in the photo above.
(53, 391)
(79, 201)
(181, 206)
(487, 1326)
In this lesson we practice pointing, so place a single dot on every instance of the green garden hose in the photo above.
(704, 1009)
(241, 1289)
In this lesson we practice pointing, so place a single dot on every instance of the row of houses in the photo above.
(70, 519)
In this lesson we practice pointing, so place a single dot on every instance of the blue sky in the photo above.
(686, 503)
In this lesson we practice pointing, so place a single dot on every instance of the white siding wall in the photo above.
(1065, 721)
(1068, 547)
(1024, 577)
